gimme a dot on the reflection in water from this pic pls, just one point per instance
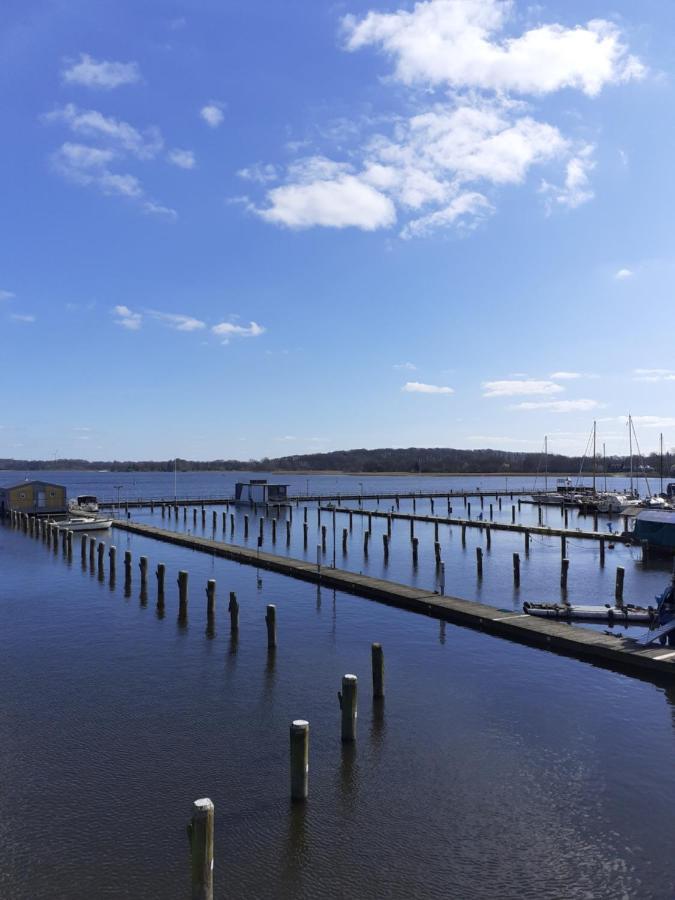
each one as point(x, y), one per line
point(441, 632)
point(297, 855)
point(143, 595)
point(349, 775)
point(127, 587)
point(111, 582)
point(378, 724)
point(270, 671)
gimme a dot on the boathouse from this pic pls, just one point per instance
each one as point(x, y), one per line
point(34, 497)
point(257, 490)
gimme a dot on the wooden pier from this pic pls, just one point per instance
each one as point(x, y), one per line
point(483, 524)
point(593, 646)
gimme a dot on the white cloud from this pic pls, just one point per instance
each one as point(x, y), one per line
point(338, 203)
point(127, 319)
point(178, 322)
point(416, 387)
point(654, 421)
point(462, 45)
point(259, 172)
point(212, 114)
point(623, 274)
point(559, 406)
point(91, 123)
point(22, 317)
point(515, 388)
point(156, 209)
point(564, 376)
point(577, 187)
point(106, 75)
point(227, 330)
point(653, 375)
point(469, 207)
point(406, 365)
point(7, 295)
point(184, 159)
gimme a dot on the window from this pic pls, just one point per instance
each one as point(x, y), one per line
point(22, 495)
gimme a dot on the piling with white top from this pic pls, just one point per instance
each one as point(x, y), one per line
point(200, 836)
point(348, 705)
point(299, 759)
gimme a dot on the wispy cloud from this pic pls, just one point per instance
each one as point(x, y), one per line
point(26, 318)
point(184, 159)
point(7, 295)
point(228, 330)
point(178, 322)
point(417, 387)
point(259, 172)
point(410, 367)
point(101, 74)
point(90, 123)
point(559, 406)
point(212, 114)
point(623, 274)
point(127, 319)
point(515, 388)
point(654, 421)
point(564, 376)
point(653, 375)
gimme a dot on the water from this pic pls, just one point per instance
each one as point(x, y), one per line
point(494, 770)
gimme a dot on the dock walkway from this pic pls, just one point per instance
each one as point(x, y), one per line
point(593, 646)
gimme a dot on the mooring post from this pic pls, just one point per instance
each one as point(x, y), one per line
point(200, 835)
point(261, 529)
point(163, 511)
point(527, 542)
point(468, 510)
point(602, 552)
point(516, 569)
point(618, 591)
point(83, 548)
point(563, 546)
point(305, 530)
point(159, 575)
point(233, 609)
point(385, 544)
point(377, 661)
point(182, 595)
point(304, 514)
point(143, 566)
point(595, 521)
point(64, 540)
point(437, 552)
point(463, 535)
point(491, 513)
point(323, 538)
point(513, 515)
point(499, 501)
point(101, 551)
point(127, 567)
point(415, 544)
point(435, 531)
point(214, 520)
point(348, 705)
point(299, 759)
point(412, 529)
point(210, 600)
point(231, 523)
point(351, 516)
point(69, 543)
point(92, 551)
point(271, 622)
point(566, 519)
point(564, 569)
point(442, 577)
point(479, 562)
point(274, 531)
point(245, 526)
point(488, 536)
point(194, 516)
point(288, 532)
point(366, 539)
point(185, 514)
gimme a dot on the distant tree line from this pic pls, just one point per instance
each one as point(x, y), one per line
point(411, 460)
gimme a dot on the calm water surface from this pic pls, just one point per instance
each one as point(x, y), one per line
point(494, 770)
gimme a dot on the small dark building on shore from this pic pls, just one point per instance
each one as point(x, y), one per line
point(34, 497)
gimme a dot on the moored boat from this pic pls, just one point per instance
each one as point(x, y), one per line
point(626, 614)
point(80, 523)
point(83, 505)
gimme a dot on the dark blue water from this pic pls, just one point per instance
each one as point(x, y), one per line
point(494, 770)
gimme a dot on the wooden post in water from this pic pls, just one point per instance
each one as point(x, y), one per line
point(163, 511)
point(143, 566)
point(348, 705)
point(412, 529)
point(566, 519)
point(415, 543)
point(305, 529)
point(245, 526)
point(602, 552)
point(491, 513)
point(437, 552)
point(83, 548)
point(159, 575)
point(127, 567)
point(618, 591)
point(69, 543)
point(366, 539)
point(351, 515)
point(288, 532)
point(564, 569)
point(563, 546)
point(274, 531)
point(200, 835)
point(194, 517)
point(214, 520)
point(540, 519)
point(595, 521)
point(92, 551)
point(261, 529)
point(479, 562)
point(271, 622)
point(233, 609)
point(516, 569)
point(513, 515)
point(499, 501)
point(463, 535)
point(101, 551)
point(182, 596)
point(210, 602)
point(488, 537)
point(527, 542)
point(299, 759)
point(231, 523)
point(203, 517)
point(385, 544)
point(468, 510)
point(112, 561)
point(323, 538)
point(377, 662)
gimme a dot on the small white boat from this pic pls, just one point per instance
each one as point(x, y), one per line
point(80, 523)
point(573, 611)
point(84, 505)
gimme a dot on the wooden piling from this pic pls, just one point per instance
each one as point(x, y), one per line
point(437, 551)
point(143, 566)
point(479, 562)
point(618, 590)
point(563, 546)
point(203, 517)
point(412, 529)
point(271, 622)
point(415, 544)
point(245, 526)
point(194, 516)
point(182, 596)
point(602, 552)
point(127, 567)
point(323, 538)
point(274, 531)
point(564, 569)
point(92, 551)
point(231, 523)
point(377, 663)
point(491, 513)
point(159, 575)
point(516, 569)
point(513, 515)
point(488, 537)
point(200, 836)
point(211, 600)
point(385, 545)
point(214, 520)
point(305, 530)
point(463, 535)
point(233, 609)
point(101, 551)
point(348, 705)
point(299, 759)
point(112, 561)
point(468, 510)
point(83, 547)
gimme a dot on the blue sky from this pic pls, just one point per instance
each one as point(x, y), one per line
point(254, 228)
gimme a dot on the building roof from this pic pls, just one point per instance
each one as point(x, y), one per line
point(11, 487)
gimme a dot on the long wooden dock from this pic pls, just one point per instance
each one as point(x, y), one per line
point(593, 646)
point(544, 530)
point(310, 498)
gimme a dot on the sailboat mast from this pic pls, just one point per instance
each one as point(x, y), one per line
point(545, 463)
point(594, 451)
point(630, 446)
point(661, 462)
point(604, 464)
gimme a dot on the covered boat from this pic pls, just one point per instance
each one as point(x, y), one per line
point(657, 528)
point(83, 505)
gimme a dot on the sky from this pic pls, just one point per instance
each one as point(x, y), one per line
point(247, 229)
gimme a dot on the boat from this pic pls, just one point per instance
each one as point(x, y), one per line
point(82, 523)
point(657, 528)
point(83, 505)
point(623, 615)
